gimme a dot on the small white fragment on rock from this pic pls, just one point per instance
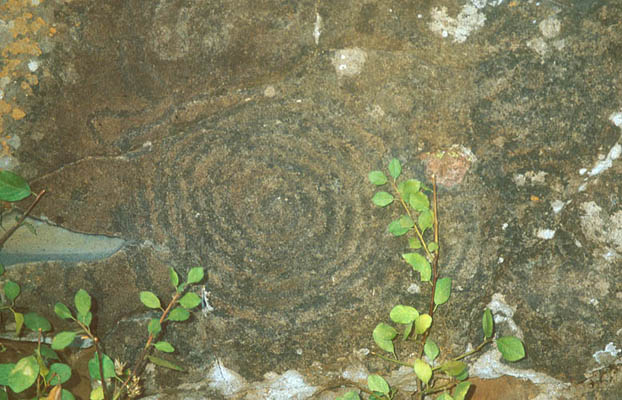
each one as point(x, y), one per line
point(582, 171)
point(269, 91)
point(349, 62)
point(616, 118)
point(546, 234)
point(33, 65)
point(607, 162)
point(550, 27)
point(607, 356)
point(224, 380)
point(317, 28)
point(413, 288)
point(557, 206)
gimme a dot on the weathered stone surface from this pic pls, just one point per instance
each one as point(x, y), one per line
point(220, 134)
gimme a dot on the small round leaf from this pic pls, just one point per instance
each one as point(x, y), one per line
point(487, 323)
point(62, 340)
point(149, 299)
point(23, 374)
point(11, 290)
point(154, 327)
point(174, 277)
point(178, 314)
point(443, 291)
point(195, 275)
point(82, 301)
point(376, 383)
point(190, 300)
point(165, 347)
point(422, 370)
point(62, 311)
point(511, 348)
point(403, 314)
point(382, 199)
point(395, 168)
point(431, 349)
point(377, 178)
point(59, 373)
point(422, 323)
point(108, 367)
point(34, 322)
point(13, 187)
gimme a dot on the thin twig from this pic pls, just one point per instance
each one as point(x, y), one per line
point(19, 223)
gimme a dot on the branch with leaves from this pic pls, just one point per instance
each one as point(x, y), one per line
point(418, 222)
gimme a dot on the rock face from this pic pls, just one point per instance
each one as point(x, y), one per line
point(237, 135)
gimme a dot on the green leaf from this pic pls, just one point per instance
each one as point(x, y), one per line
point(397, 229)
point(154, 327)
point(422, 370)
point(97, 393)
point(395, 168)
point(487, 323)
point(422, 323)
point(82, 301)
point(419, 201)
point(425, 220)
point(178, 314)
point(4, 395)
point(62, 340)
point(382, 199)
point(23, 374)
point(5, 370)
point(414, 243)
point(511, 348)
point(34, 322)
point(149, 299)
point(190, 300)
point(443, 291)
point(408, 187)
point(19, 322)
point(403, 314)
point(62, 311)
point(376, 383)
point(165, 347)
point(407, 329)
point(108, 367)
point(445, 396)
point(433, 246)
point(11, 290)
point(13, 187)
point(383, 335)
point(59, 373)
point(462, 389)
point(174, 277)
point(164, 363)
point(195, 275)
point(48, 353)
point(377, 178)
point(453, 368)
point(85, 318)
point(419, 264)
point(431, 349)
point(351, 395)
point(66, 395)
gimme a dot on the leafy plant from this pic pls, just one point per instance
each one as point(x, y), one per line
point(435, 374)
point(43, 369)
point(14, 188)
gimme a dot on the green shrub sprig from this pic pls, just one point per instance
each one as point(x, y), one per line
point(435, 373)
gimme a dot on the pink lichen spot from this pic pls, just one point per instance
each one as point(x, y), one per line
point(449, 166)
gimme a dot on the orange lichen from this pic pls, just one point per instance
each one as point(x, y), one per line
point(26, 30)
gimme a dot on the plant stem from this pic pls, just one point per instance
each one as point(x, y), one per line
point(417, 231)
point(475, 350)
point(392, 360)
point(101, 367)
point(139, 361)
point(8, 233)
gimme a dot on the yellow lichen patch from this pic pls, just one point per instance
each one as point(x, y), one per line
point(17, 114)
point(26, 28)
point(22, 46)
point(5, 107)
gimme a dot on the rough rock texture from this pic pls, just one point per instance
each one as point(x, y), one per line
point(237, 135)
